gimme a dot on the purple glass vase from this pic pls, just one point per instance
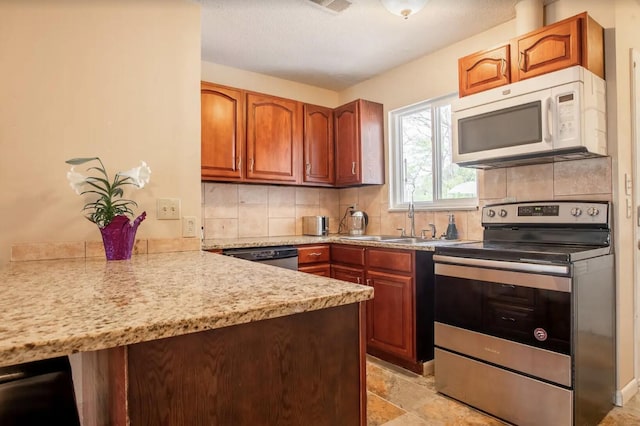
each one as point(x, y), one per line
point(119, 235)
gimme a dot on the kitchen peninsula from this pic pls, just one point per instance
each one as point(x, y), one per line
point(192, 338)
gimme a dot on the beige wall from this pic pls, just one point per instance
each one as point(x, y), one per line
point(247, 80)
point(117, 79)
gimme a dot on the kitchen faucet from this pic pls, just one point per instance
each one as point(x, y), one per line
point(411, 215)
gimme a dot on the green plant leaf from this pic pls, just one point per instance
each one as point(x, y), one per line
point(78, 161)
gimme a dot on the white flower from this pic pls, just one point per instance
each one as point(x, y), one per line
point(76, 180)
point(139, 176)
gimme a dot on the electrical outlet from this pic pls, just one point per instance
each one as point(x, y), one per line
point(168, 208)
point(188, 226)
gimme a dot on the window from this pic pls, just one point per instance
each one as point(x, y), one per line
point(422, 170)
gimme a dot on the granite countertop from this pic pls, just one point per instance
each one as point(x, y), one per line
point(52, 308)
point(228, 243)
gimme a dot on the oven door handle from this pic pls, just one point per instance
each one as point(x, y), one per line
point(499, 264)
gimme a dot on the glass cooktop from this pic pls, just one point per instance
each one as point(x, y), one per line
point(524, 252)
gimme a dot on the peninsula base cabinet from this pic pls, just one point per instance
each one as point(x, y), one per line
point(307, 368)
point(399, 318)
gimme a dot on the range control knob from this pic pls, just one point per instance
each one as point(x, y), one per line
point(592, 211)
point(503, 213)
point(491, 213)
point(576, 211)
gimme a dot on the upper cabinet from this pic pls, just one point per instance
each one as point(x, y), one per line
point(253, 137)
point(574, 41)
point(359, 143)
point(274, 138)
point(318, 147)
point(484, 70)
point(222, 134)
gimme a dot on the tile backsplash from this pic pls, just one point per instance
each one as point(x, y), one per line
point(243, 210)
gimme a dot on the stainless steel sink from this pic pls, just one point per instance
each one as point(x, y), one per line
point(394, 239)
point(384, 238)
point(420, 241)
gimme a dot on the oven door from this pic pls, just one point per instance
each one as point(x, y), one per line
point(525, 307)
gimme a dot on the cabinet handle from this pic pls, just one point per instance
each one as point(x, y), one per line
point(521, 61)
point(508, 319)
point(504, 67)
point(315, 254)
point(508, 286)
point(368, 281)
point(239, 163)
point(308, 166)
point(358, 280)
point(251, 165)
point(353, 167)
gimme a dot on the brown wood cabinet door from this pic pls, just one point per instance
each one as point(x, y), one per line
point(345, 273)
point(390, 315)
point(554, 47)
point(484, 70)
point(274, 138)
point(318, 145)
point(347, 139)
point(222, 139)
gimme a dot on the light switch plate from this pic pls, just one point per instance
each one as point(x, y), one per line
point(168, 208)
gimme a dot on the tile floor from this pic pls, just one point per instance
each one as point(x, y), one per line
point(398, 397)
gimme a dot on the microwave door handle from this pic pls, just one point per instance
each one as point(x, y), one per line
point(549, 136)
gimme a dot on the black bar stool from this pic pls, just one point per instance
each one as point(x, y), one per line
point(38, 393)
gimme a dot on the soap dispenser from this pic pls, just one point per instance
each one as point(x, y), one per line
point(452, 231)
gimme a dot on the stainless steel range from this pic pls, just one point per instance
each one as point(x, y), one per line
point(524, 320)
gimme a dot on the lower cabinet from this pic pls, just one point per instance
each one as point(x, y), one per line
point(314, 259)
point(400, 316)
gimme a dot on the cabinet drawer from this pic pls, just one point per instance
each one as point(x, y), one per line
point(391, 260)
point(313, 254)
point(324, 270)
point(347, 254)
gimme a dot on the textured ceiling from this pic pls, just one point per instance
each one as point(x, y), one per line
point(300, 41)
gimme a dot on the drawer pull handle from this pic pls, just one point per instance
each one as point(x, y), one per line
point(508, 286)
point(508, 319)
point(315, 254)
point(353, 167)
point(358, 280)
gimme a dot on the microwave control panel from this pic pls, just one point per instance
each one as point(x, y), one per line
point(568, 125)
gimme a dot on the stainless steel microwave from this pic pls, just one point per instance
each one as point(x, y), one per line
point(553, 117)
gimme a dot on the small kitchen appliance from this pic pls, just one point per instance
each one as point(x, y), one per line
point(315, 225)
point(529, 314)
point(358, 221)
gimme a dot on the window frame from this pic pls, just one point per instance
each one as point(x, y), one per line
point(397, 171)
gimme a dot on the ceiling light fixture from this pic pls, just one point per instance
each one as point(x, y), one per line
point(404, 8)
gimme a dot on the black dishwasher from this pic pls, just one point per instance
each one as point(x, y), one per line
point(281, 256)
